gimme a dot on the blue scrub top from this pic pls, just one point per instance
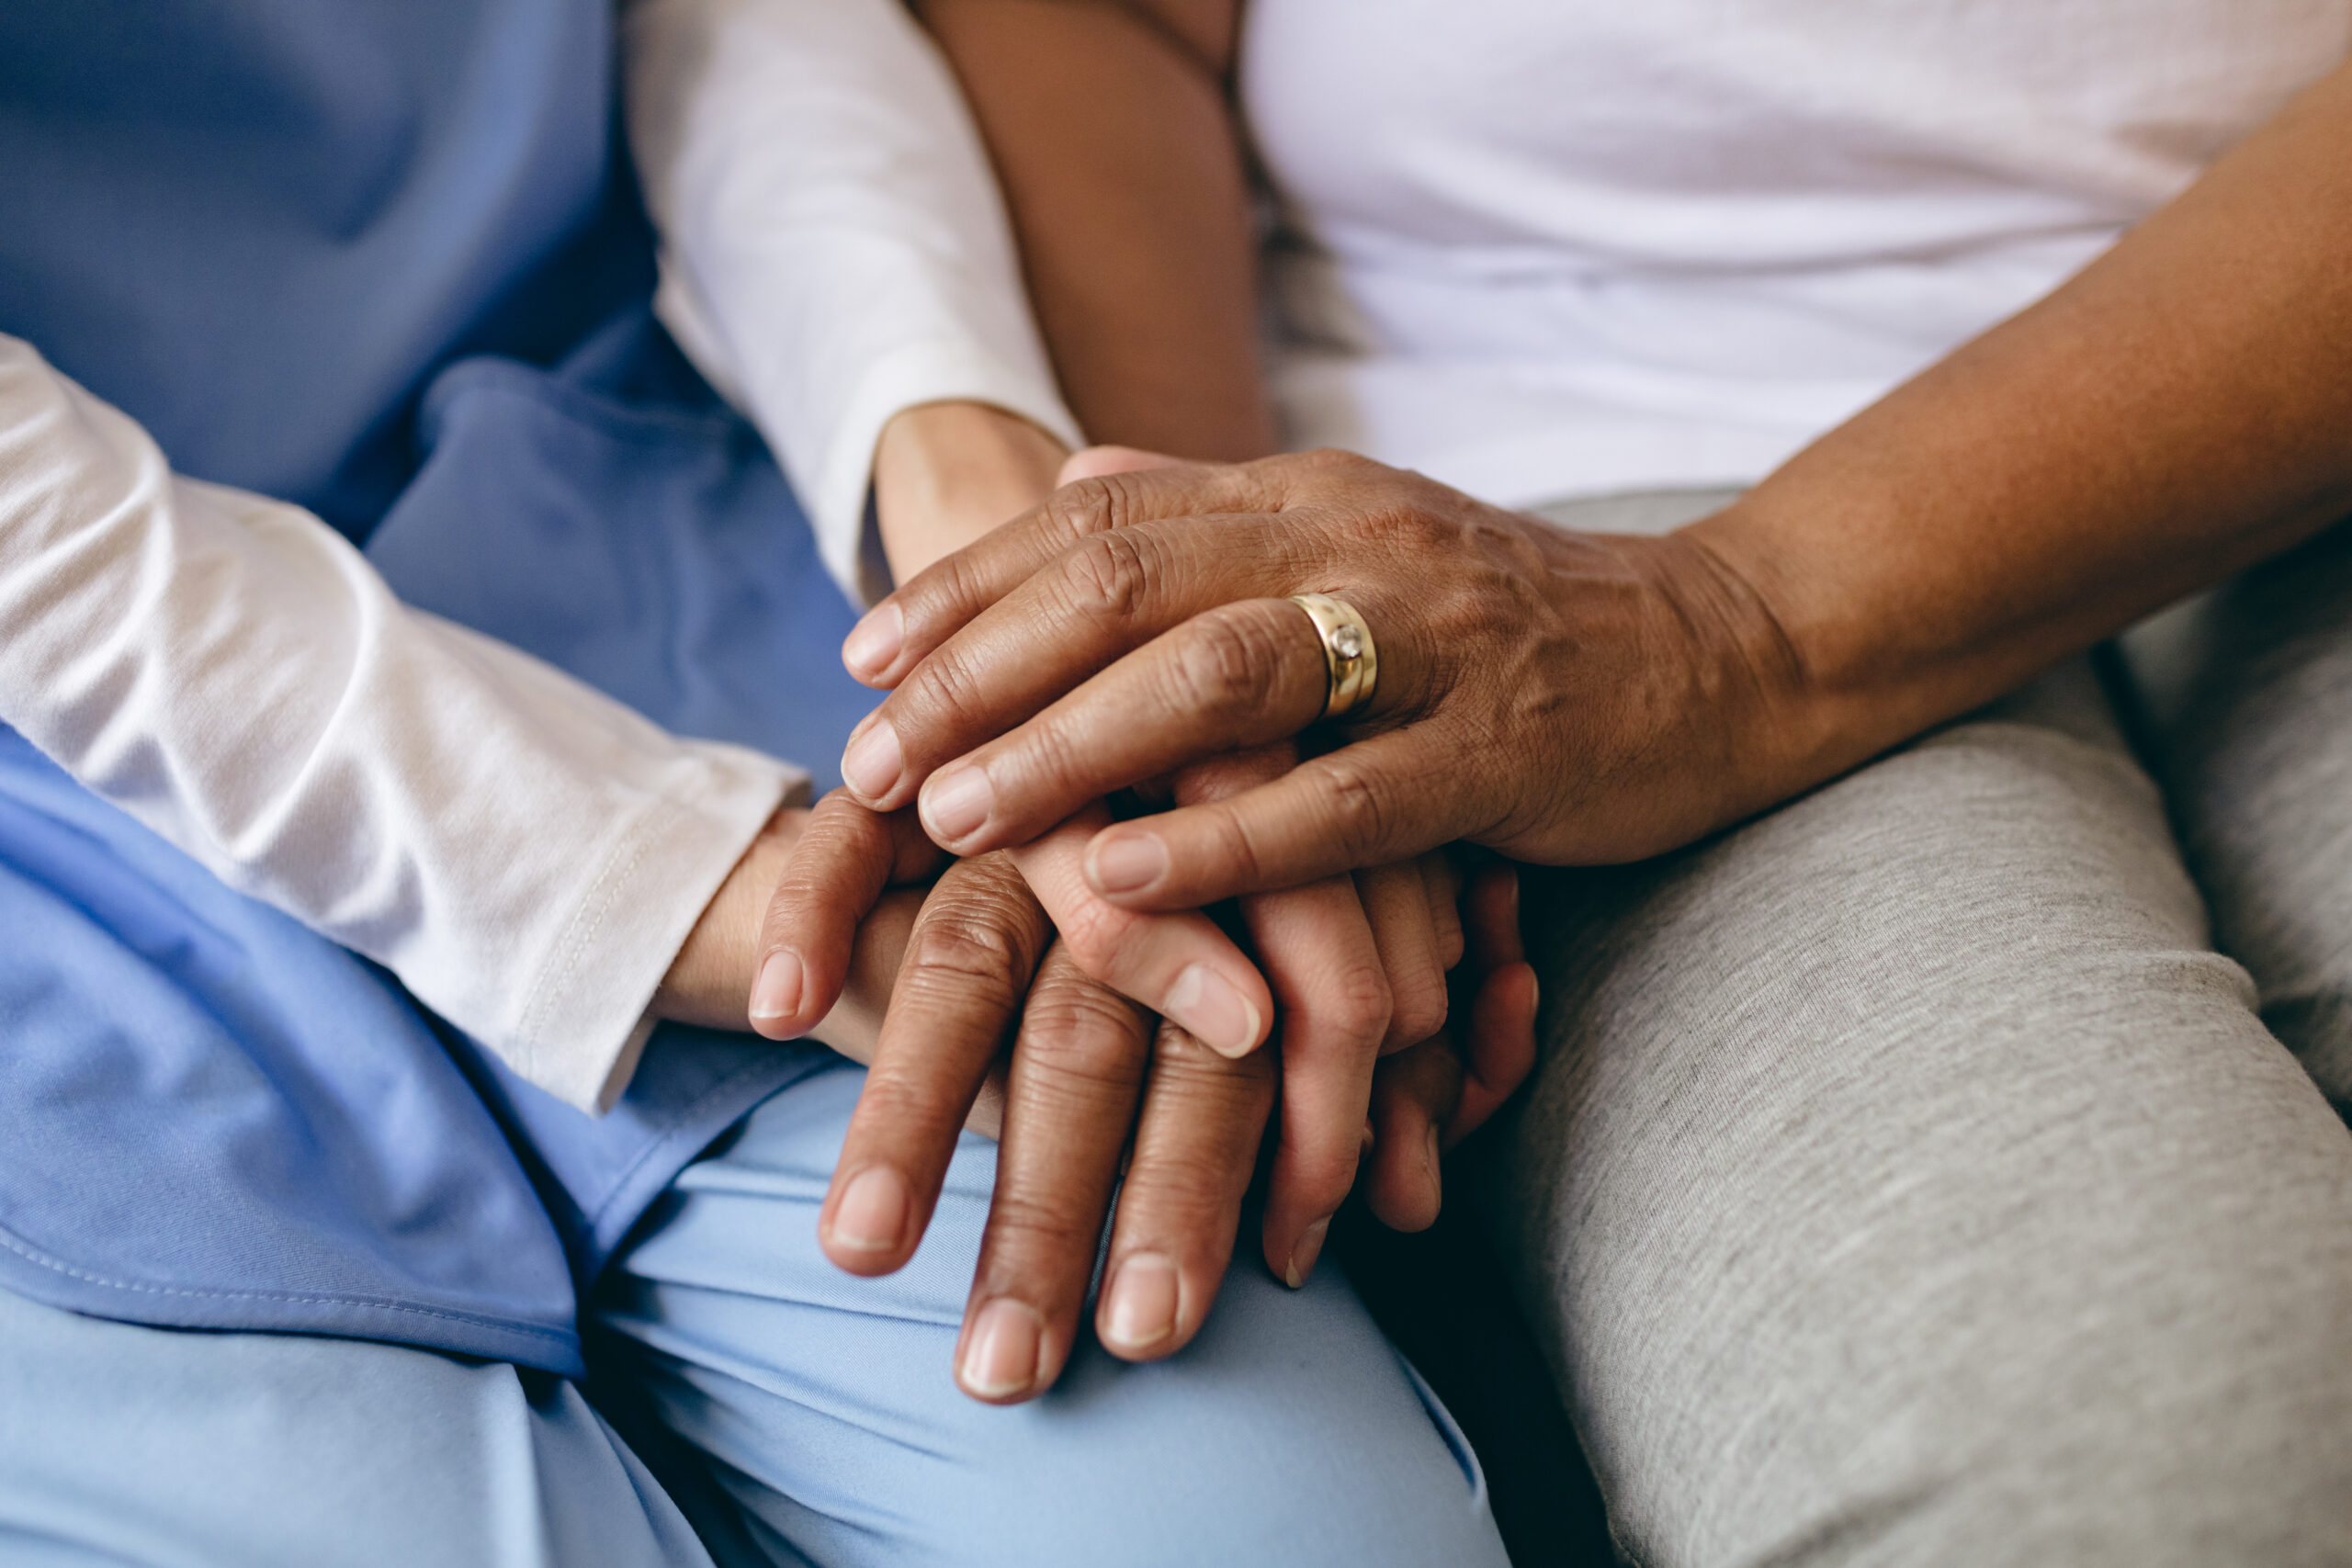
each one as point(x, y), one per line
point(381, 257)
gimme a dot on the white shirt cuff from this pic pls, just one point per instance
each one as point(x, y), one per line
point(585, 1021)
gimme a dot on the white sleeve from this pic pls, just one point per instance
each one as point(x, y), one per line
point(834, 248)
point(526, 854)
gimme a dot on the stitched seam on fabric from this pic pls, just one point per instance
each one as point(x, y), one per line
point(593, 909)
point(34, 1255)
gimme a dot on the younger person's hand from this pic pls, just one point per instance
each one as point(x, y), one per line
point(1084, 1058)
point(946, 473)
point(1430, 1097)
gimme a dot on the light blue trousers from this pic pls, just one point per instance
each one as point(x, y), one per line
point(797, 1414)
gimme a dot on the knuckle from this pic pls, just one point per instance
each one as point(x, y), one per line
point(1105, 577)
point(1172, 1182)
point(1232, 847)
point(945, 997)
point(838, 812)
point(1081, 1029)
point(946, 686)
point(1082, 1085)
point(962, 946)
point(1355, 802)
point(1360, 1003)
point(1184, 1069)
point(902, 1107)
point(988, 892)
point(991, 882)
point(1224, 664)
point(1055, 753)
point(782, 920)
point(1042, 1216)
point(1086, 507)
point(959, 588)
point(1096, 933)
point(1412, 530)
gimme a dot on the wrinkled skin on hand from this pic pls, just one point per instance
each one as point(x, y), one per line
point(1094, 1079)
point(1560, 697)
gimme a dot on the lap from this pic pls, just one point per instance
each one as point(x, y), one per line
point(121, 1443)
point(813, 1415)
point(1907, 1180)
point(822, 1404)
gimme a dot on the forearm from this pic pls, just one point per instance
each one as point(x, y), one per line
point(525, 853)
point(834, 251)
point(946, 473)
point(2177, 413)
point(1118, 153)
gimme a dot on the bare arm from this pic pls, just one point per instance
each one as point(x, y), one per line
point(2177, 413)
point(1113, 136)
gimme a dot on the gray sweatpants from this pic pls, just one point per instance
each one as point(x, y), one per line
point(1914, 1175)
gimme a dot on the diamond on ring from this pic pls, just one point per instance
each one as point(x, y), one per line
point(1350, 660)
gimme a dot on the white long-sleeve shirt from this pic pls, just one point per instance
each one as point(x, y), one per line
point(834, 247)
point(526, 854)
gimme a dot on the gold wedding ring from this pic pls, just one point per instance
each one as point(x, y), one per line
point(1349, 654)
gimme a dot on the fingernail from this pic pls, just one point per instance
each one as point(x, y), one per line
point(1142, 1310)
point(1302, 1256)
point(776, 994)
point(1001, 1357)
point(1125, 863)
point(1220, 1017)
point(1430, 1157)
point(871, 764)
point(956, 804)
point(871, 1214)
point(875, 640)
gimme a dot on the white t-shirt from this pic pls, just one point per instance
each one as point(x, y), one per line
point(1540, 248)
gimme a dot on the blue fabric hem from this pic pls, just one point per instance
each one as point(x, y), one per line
point(396, 272)
point(30, 1272)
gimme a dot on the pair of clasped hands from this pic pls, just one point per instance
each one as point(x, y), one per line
point(1149, 1038)
point(1556, 697)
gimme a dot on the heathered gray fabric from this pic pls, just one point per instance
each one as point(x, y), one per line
point(1907, 1180)
point(2249, 695)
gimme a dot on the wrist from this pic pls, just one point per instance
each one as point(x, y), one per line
point(1833, 679)
point(946, 473)
point(709, 982)
point(1775, 728)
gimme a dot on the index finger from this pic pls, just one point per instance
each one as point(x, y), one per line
point(897, 633)
point(970, 961)
point(1103, 598)
point(1078, 1066)
point(845, 857)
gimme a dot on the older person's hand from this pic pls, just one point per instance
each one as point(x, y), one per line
point(1085, 1062)
point(1359, 969)
point(1560, 697)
